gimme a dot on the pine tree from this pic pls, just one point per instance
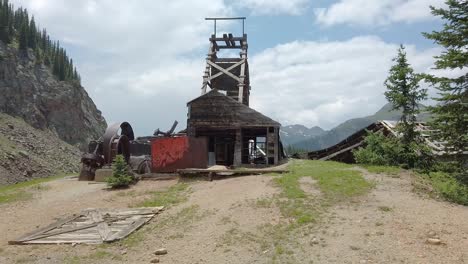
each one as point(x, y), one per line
point(120, 176)
point(451, 111)
point(23, 37)
point(404, 93)
point(32, 41)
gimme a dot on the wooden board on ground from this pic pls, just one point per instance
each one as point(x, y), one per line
point(238, 171)
point(91, 226)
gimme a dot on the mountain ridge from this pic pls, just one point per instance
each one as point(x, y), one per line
point(347, 128)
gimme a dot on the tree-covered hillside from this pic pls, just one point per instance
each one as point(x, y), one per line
point(19, 30)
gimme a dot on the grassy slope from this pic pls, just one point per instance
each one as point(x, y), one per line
point(23, 190)
point(336, 181)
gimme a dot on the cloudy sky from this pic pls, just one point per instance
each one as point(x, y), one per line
point(316, 62)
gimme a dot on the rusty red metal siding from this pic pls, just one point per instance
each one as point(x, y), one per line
point(172, 153)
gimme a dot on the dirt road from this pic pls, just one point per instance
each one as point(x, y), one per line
point(231, 221)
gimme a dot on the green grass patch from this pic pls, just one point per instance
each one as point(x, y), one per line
point(385, 209)
point(336, 181)
point(448, 187)
point(22, 191)
point(174, 195)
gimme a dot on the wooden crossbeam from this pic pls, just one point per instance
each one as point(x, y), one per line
point(224, 71)
point(233, 43)
point(226, 39)
point(227, 69)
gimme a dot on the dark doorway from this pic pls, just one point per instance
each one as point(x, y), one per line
point(224, 151)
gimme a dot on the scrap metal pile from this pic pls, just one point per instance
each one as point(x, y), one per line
point(119, 139)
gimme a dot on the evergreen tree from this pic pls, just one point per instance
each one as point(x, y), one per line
point(404, 93)
point(120, 176)
point(451, 111)
point(16, 25)
point(23, 37)
point(32, 41)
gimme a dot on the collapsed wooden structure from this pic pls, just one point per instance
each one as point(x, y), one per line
point(91, 226)
point(343, 150)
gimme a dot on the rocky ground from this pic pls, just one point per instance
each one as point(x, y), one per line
point(233, 220)
point(27, 153)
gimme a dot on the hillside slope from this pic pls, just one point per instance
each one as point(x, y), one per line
point(27, 152)
point(347, 128)
point(30, 91)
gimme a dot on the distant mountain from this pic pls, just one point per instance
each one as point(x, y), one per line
point(342, 131)
point(295, 133)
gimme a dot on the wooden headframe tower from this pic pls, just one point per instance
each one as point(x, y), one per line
point(230, 75)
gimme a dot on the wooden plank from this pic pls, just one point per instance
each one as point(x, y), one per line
point(231, 39)
point(125, 232)
point(60, 232)
point(102, 227)
point(244, 171)
point(59, 223)
point(65, 242)
point(226, 40)
point(341, 151)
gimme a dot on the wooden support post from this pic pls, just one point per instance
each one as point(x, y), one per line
point(209, 58)
point(241, 83)
point(276, 148)
point(238, 148)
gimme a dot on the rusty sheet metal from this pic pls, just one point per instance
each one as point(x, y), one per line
point(172, 153)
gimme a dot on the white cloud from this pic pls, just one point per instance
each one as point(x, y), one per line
point(376, 13)
point(262, 7)
point(326, 83)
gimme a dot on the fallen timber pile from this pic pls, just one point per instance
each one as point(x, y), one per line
point(92, 226)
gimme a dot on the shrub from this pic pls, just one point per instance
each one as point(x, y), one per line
point(120, 176)
point(390, 151)
point(379, 150)
point(447, 186)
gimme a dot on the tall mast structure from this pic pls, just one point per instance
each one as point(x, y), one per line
point(227, 74)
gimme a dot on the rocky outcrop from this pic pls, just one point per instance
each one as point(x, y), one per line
point(29, 90)
point(27, 153)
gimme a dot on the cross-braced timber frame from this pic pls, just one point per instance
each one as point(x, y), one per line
point(228, 74)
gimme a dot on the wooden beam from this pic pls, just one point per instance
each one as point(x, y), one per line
point(224, 71)
point(227, 69)
point(226, 39)
point(233, 42)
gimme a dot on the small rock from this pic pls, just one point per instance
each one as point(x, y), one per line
point(314, 241)
point(354, 247)
point(24, 153)
point(10, 126)
point(379, 233)
point(434, 241)
point(156, 260)
point(161, 251)
point(431, 234)
point(123, 252)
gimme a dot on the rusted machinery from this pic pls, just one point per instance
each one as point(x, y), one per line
point(118, 139)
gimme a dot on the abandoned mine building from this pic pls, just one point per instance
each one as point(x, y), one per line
point(236, 134)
